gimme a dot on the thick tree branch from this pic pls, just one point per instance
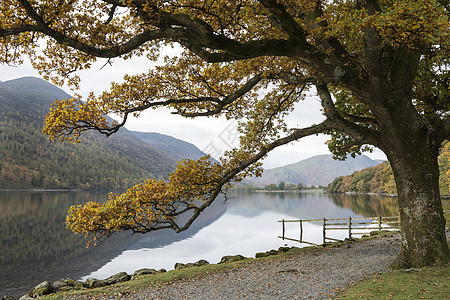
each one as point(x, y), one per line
point(287, 22)
point(4, 32)
point(362, 135)
point(445, 130)
point(221, 104)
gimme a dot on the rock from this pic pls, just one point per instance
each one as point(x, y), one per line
point(231, 258)
point(284, 249)
point(162, 270)
point(201, 262)
point(412, 270)
point(43, 288)
point(93, 283)
point(273, 252)
point(57, 285)
point(67, 284)
point(7, 297)
point(144, 271)
point(268, 253)
point(116, 278)
point(179, 266)
point(262, 254)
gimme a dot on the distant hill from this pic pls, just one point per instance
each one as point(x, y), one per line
point(316, 170)
point(179, 149)
point(29, 159)
point(380, 179)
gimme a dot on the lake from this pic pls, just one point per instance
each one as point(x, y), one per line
point(36, 246)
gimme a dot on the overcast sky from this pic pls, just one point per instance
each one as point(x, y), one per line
point(211, 135)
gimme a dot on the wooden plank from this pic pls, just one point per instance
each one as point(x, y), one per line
point(296, 221)
point(337, 228)
point(364, 223)
point(333, 239)
point(303, 242)
point(342, 223)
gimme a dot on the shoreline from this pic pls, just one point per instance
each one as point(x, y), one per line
point(188, 270)
point(248, 273)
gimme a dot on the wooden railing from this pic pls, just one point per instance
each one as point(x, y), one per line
point(352, 225)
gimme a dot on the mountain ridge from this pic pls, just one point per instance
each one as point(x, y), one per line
point(316, 170)
point(29, 159)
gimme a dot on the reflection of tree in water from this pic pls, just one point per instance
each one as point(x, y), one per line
point(35, 243)
point(367, 205)
point(313, 205)
point(36, 246)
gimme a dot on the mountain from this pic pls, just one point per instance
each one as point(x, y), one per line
point(316, 170)
point(179, 149)
point(380, 179)
point(29, 159)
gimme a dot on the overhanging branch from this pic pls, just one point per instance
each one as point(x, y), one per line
point(297, 134)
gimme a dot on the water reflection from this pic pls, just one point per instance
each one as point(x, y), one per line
point(36, 246)
point(249, 225)
point(367, 205)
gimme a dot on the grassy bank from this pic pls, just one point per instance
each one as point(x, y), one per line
point(425, 283)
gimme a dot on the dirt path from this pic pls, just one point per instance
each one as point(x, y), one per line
point(306, 276)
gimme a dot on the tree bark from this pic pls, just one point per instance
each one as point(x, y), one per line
point(416, 172)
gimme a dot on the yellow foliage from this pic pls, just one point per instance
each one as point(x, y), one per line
point(249, 60)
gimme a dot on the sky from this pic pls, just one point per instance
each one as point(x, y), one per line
point(212, 135)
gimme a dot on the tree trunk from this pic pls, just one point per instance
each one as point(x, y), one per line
point(421, 216)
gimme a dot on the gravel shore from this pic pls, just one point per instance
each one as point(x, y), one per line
point(318, 275)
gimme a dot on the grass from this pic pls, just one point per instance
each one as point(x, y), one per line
point(425, 283)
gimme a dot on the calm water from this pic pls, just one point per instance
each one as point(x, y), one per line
point(35, 246)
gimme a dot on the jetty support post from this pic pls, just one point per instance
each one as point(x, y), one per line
point(301, 231)
point(324, 231)
point(349, 228)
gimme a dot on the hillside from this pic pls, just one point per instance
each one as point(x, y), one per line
point(29, 159)
point(380, 179)
point(316, 170)
point(177, 148)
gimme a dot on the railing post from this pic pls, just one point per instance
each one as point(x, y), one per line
point(349, 228)
point(301, 231)
point(324, 230)
point(284, 229)
point(379, 223)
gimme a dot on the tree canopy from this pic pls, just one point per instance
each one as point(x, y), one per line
point(380, 69)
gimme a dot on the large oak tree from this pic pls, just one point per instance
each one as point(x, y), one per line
point(380, 68)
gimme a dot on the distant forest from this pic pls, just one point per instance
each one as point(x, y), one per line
point(29, 159)
point(380, 179)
